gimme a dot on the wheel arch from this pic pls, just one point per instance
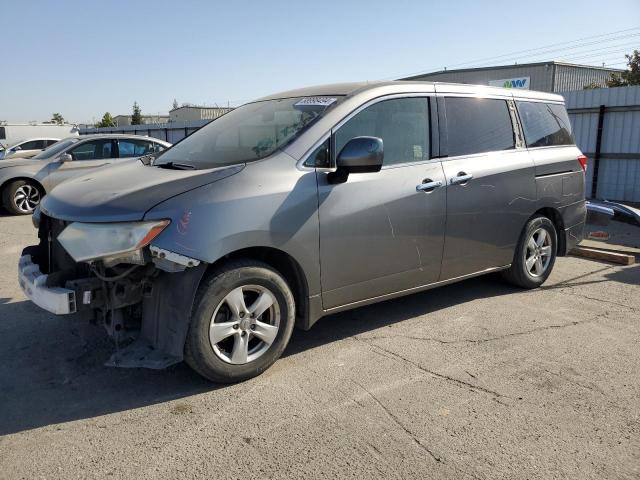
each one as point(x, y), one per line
point(6, 183)
point(284, 264)
point(555, 216)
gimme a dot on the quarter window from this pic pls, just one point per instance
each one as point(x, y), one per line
point(319, 158)
point(478, 125)
point(157, 147)
point(544, 124)
point(402, 124)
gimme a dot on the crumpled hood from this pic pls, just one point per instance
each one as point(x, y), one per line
point(20, 162)
point(124, 191)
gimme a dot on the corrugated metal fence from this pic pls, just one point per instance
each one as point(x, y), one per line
point(606, 124)
point(614, 158)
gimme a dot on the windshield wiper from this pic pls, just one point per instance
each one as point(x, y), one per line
point(174, 166)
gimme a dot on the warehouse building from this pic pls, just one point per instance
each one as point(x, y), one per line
point(125, 120)
point(188, 113)
point(545, 76)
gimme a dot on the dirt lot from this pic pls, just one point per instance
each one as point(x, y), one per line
point(474, 380)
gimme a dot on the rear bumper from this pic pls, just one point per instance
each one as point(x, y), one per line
point(33, 283)
point(573, 236)
point(574, 215)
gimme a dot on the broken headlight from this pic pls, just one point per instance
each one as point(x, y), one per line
point(112, 242)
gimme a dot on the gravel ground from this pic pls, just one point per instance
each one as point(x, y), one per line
point(473, 380)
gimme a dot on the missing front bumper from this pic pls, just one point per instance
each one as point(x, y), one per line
point(150, 305)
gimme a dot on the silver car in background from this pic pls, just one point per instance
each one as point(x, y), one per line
point(23, 182)
point(27, 148)
point(306, 203)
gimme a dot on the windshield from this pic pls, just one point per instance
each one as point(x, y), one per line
point(248, 133)
point(56, 148)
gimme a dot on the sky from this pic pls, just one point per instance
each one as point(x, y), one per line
point(86, 58)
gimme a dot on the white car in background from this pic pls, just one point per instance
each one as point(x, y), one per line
point(24, 181)
point(14, 133)
point(27, 148)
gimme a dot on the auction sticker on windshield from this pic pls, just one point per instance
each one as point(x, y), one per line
point(315, 102)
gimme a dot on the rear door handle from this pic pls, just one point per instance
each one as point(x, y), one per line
point(462, 177)
point(428, 185)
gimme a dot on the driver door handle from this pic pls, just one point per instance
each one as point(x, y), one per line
point(462, 177)
point(428, 185)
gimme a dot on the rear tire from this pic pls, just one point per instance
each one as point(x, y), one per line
point(243, 317)
point(535, 254)
point(21, 197)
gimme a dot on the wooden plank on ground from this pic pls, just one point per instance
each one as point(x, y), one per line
point(607, 256)
point(611, 247)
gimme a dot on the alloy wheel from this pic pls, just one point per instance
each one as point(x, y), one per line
point(244, 324)
point(26, 198)
point(537, 255)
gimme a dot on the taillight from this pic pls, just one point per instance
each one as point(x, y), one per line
point(583, 162)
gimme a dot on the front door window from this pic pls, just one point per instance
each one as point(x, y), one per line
point(93, 150)
point(401, 123)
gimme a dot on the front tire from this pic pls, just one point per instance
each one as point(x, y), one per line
point(241, 323)
point(535, 254)
point(21, 197)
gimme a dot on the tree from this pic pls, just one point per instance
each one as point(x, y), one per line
point(136, 117)
point(175, 104)
point(57, 118)
point(630, 76)
point(107, 121)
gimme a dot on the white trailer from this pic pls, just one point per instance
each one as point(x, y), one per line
point(12, 133)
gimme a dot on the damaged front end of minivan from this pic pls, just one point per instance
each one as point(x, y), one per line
point(112, 274)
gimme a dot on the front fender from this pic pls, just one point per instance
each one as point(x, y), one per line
point(268, 204)
point(37, 172)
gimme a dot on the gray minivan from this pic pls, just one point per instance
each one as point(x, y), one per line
point(303, 204)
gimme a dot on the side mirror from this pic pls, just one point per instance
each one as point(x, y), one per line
point(65, 157)
point(361, 155)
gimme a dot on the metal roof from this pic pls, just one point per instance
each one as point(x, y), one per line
point(499, 67)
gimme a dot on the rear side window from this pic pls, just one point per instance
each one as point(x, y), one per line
point(33, 145)
point(402, 124)
point(545, 124)
point(136, 148)
point(3, 133)
point(477, 125)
